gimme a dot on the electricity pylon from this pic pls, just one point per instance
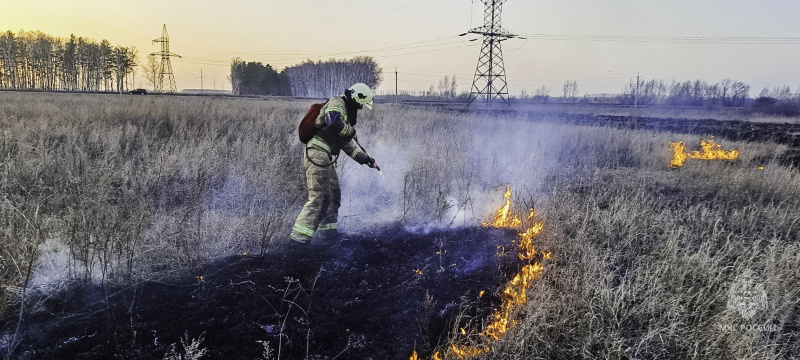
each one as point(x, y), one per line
point(166, 65)
point(490, 75)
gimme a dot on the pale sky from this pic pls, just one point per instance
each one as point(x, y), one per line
point(420, 38)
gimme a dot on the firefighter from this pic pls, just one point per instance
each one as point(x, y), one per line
point(334, 132)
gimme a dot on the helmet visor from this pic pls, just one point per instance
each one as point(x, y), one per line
point(368, 105)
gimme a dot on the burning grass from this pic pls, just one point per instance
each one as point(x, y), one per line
point(514, 294)
point(505, 218)
point(711, 151)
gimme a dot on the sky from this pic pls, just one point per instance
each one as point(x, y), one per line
point(600, 44)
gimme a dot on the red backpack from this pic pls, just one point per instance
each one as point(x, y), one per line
point(306, 130)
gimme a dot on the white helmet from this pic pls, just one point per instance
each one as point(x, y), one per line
point(362, 94)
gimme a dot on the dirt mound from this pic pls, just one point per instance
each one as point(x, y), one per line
point(366, 296)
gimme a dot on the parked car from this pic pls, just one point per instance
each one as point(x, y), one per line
point(138, 92)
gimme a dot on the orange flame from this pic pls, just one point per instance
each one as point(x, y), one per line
point(679, 154)
point(466, 352)
point(414, 356)
point(514, 294)
point(504, 217)
point(711, 151)
point(527, 250)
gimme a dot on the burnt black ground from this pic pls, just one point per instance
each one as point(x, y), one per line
point(361, 297)
point(736, 130)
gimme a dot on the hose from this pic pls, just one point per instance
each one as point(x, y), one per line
point(329, 155)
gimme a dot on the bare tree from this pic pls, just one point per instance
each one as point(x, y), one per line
point(542, 95)
point(133, 55)
point(733, 93)
point(8, 60)
point(152, 72)
point(444, 86)
point(780, 93)
point(725, 92)
point(739, 93)
point(570, 91)
point(236, 76)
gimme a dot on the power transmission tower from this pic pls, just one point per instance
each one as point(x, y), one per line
point(490, 74)
point(166, 79)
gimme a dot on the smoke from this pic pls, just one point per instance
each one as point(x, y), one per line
point(55, 268)
point(446, 171)
point(370, 200)
point(441, 170)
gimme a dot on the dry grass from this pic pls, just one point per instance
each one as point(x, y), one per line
point(130, 188)
point(116, 189)
point(645, 258)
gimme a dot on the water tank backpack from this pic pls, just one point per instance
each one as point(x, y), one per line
point(306, 130)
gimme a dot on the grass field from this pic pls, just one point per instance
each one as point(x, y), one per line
point(108, 189)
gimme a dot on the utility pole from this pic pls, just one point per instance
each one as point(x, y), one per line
point(201, 81)
point(490, 75)
point(166, 65)
point(395, 86)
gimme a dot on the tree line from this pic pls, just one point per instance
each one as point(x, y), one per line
point(309, 79)
point(32, 60)
point(253, 78)
point(639, 91)
point(727, 93)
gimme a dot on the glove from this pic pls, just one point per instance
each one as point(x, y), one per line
point(370, 162)
point(374, 165)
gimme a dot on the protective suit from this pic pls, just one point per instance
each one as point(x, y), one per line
point(335, 132)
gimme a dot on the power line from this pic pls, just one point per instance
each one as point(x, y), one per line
point(333, 17)
point(426, 70)
point(737, 40)
point(275, 61)
point(554, 37)
point(388, 48)
point(203, 63)
point(425, 75)
point(206, 75)
point(420, 52)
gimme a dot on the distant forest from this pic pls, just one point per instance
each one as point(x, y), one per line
point(726, 93)
point(37, 61)
point(32, 60)
point(309, 79)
